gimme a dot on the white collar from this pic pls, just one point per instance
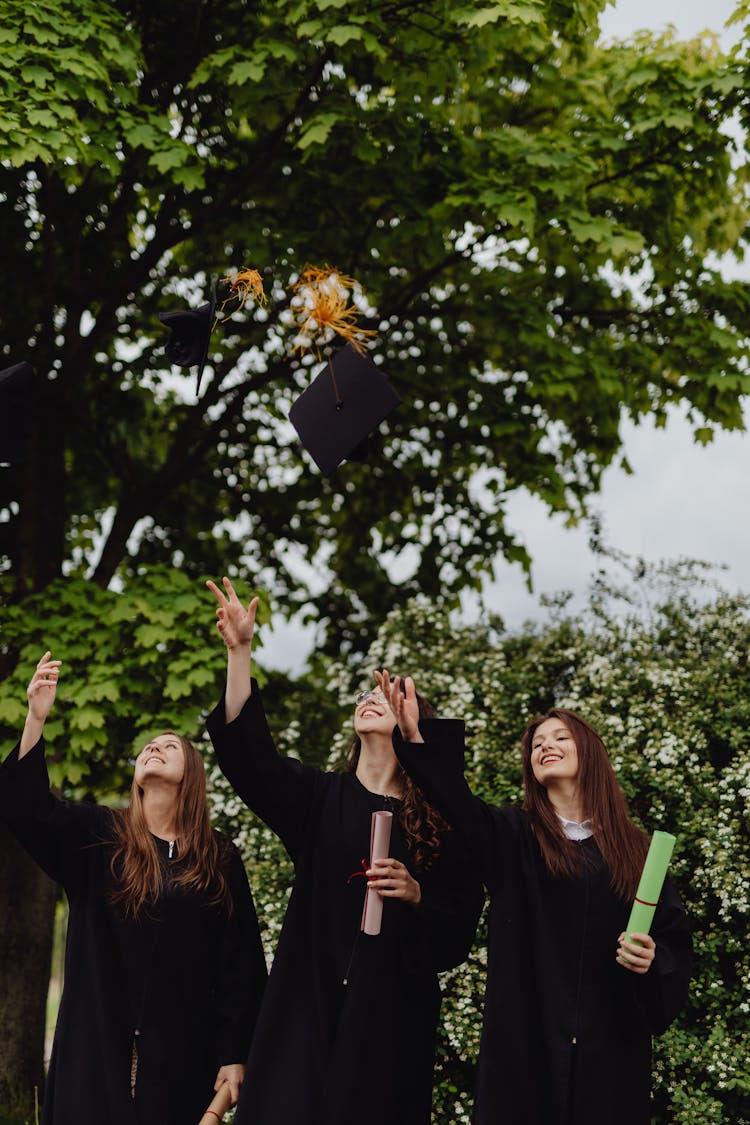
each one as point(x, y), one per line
point(575, 831)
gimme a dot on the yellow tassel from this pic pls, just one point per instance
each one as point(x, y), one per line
point(320, 308)
point(243, 285)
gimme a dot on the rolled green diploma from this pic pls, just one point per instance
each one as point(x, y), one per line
point(652, 881)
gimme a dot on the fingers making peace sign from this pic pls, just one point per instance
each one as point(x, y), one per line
point(235, 622)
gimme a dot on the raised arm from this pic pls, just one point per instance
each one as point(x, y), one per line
point(237, 626)
point(52, 831)
point(279, 789)
point(435, 762)
point(41, 695)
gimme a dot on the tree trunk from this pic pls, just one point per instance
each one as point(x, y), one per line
point(27, 905)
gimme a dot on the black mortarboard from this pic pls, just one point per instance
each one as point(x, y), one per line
point(190, 332)
point(343, 404)
point(15, 408)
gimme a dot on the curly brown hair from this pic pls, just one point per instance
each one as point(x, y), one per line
point(422, 824)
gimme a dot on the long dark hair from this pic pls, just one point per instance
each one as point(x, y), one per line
point(621, 842)
point(135, 864)
point(422, 823)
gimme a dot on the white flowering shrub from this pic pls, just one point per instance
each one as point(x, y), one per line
point(268, 867)
point(669, 690)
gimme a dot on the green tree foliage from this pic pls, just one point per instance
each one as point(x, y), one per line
point(536, 220)
point(135, 662)
point(661, 669)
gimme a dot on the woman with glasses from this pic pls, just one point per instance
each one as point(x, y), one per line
point(164, 966)
point(347, 1029)
point(571, 1002)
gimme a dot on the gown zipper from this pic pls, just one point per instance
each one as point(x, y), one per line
point(137, 1030)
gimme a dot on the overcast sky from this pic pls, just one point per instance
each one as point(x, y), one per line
point(681, 501)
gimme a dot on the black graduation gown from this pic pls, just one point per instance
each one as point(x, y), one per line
point(189, 976)
point(566, 1036)
point(347, 1029)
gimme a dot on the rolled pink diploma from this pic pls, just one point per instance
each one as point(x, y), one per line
point(380, 843)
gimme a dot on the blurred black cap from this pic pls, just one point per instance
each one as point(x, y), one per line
point(343, 404)
point(15, 408)
point(190, 332)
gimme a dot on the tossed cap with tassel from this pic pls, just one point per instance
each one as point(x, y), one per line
point(190, 329)
point(351, 396)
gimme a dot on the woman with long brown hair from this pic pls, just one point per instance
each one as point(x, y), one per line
point(347, 1029)
point(570, 1004)
point(164, 968)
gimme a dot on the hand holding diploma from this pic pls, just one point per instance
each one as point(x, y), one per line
point(637, 953)
point(637, 948)
point(391, 879)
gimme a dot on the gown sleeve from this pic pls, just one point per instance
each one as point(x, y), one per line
point(440, 932)
point(662, 992)
point(51, 830)
point(279, 789)
point(241, 970)
point(437, 767)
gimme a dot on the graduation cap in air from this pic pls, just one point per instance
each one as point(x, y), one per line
point(190, 332)
point(190, 329)
point(351, 396)
point(16, 384)
point(341, 407)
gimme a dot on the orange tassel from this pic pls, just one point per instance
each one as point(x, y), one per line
point(319, 307)
point(245, 284)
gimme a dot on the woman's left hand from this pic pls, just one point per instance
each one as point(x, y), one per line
point(637, 954)
point(391, 879)
point(232, 1074)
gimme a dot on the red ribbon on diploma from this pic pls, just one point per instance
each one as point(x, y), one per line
point(354, 874)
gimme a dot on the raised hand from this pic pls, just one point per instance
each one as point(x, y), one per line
point(405, 708)
point(41, 695)
point(235, 622)
point(43, 687)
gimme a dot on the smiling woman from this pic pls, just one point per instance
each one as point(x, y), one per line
point(567, 999)
point(347, 1028)
point(554, 757)
point(164, 968)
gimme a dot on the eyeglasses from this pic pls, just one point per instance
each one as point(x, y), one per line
point(369, 693)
